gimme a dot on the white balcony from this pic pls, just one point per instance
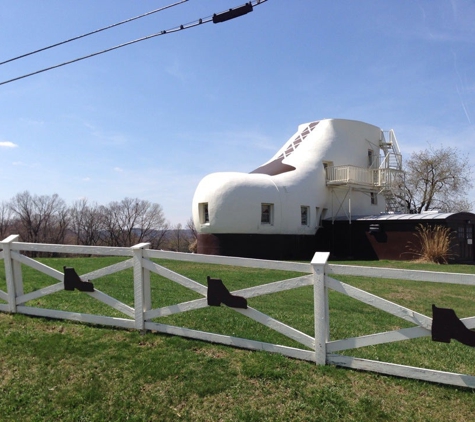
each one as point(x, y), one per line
point(370, 178)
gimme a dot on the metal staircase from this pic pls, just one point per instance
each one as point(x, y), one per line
point(390, 172)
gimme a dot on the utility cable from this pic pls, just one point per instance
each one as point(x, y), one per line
point(220, 17)
point(93, 32)
point(168, 31)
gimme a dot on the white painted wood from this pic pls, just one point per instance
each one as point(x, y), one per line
point(53, 288)
point(112, 302)
point(143, 245)
point(147, 290)
point(142, 266)
point(320, 298)
point(72, 249)
point(176, 309)
point(275, 287)
point(138, 289)
point(3, 295)
point(380, 303)
point(10, 239)
point(80, 317)
point(42, 268)
point(232, 341)
point(423, 374)
point(398, 274)
point(327, 311)
point(234, 261)
point(386, 337)
point(177, 278)
point(469, 322)
point(9, 272)
point(17, 276)
point(378, 338)
point(278, 326)
point(111, 269)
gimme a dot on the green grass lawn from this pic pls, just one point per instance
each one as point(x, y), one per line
point(59, 370)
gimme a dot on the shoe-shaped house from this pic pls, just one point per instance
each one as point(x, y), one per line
point(329, 168)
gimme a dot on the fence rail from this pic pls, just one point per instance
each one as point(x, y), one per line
point(318, 348)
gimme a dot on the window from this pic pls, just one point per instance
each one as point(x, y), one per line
point(374, 198)
point(204, 214)
point(304, 215)
point(267, 211)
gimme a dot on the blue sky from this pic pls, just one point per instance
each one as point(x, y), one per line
point(152, 119)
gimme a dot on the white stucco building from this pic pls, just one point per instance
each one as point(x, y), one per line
point(327, 169)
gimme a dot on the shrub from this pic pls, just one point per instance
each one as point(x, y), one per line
point(193, 247)
point(434, 244)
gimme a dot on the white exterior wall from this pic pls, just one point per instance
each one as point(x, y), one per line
point(234, 199)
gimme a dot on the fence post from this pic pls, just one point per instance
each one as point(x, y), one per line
point(10, 271)
point(320, 296)
point(141, 285)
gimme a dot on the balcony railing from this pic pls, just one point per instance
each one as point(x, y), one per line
point(361, 176)
point(342, 175)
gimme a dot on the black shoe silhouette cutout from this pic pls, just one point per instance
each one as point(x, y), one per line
point(218, 293)
point(72, 280)
point(447, 326)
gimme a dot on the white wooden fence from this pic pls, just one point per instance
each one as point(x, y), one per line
point(318, 348)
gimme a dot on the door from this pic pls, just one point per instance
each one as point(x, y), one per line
point(465, 240)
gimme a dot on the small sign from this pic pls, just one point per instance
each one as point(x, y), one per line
point(469, 241)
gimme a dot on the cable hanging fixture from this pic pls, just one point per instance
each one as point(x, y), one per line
point(216, 18)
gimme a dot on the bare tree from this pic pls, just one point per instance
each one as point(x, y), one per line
point(133, 221)
point(58, 224)
point(41, 219)
point(193, 233)
point(152, 225)
point(180, 239)
point(111, 229)
point(46, 219)
point(437, 179)
point(5, 219)
point(86, 222)
point(175, 242)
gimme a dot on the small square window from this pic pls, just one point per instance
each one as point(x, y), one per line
point(204, 214)
point(267, 211)
point(304, 217)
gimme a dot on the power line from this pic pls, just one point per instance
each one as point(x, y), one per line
point(93, 32)
point(216, 18)
point(168, 31)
